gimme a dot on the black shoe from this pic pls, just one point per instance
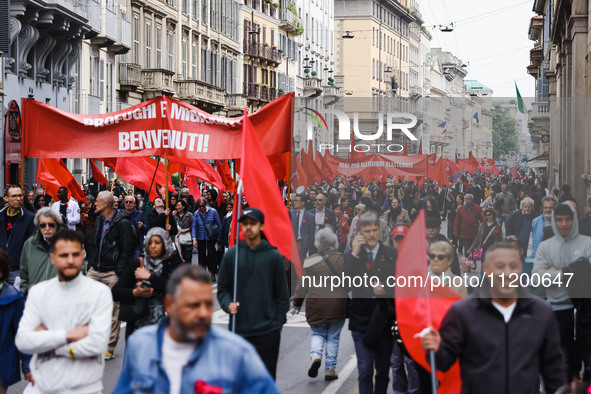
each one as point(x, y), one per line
point(314, 366)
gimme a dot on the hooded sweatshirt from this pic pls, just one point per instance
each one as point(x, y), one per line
point(262, 288)
point(559, 252)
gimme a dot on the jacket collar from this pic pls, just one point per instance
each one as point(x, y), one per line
point(163, 326)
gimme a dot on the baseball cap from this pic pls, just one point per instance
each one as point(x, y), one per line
point(399, 231)
point(254, 214)
point(433, 221)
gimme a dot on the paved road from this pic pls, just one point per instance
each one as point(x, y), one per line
point(293, 363)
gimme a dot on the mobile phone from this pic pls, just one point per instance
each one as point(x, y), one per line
point(146, 283)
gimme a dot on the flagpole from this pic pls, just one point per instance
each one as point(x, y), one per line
point(166, 190)
point(154, 177)
point(237, 209)
point(433, 372)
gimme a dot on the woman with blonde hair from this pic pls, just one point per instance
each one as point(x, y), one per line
point(440, 259)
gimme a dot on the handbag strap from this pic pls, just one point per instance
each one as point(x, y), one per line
point(472, 212)
point(489, 234)
point(333, 270)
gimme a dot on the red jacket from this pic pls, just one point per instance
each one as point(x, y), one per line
point(465, 224)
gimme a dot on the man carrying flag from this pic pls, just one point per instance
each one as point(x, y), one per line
point(504, 337)
point(262, 296)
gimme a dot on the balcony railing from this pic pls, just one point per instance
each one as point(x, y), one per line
point(236, 101)
point(196, 90)
point(252, 91)
point(158, 80)
point(130, 74)
point(264, 93)
point(288, 20)
point(330, 91)
point(540, 110)
point(414, 90)
point(123, 44)
point(272, 93)
point(262, 51)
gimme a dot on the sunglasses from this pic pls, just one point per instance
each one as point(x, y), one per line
point(43, 225)
point(438, 256)
point(129, 202)
point(202, 206)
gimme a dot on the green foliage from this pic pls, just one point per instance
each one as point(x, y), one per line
point(505, 138)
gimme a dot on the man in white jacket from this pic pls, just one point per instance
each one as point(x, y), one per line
point(66, 323)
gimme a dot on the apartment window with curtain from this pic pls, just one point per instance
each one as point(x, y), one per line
point(136, 40)
point(170, 51)
point(158, 47)
point(184, 49)
point(148, 45)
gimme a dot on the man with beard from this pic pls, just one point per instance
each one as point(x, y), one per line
point(542, 222)
point(66, 323)
point(185, 352)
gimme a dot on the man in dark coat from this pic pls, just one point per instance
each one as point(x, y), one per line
point(302, 223)
point(505, 338)
point(371, 312)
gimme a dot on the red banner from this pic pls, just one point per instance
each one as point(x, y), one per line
point(156, 127)
point(376, 165)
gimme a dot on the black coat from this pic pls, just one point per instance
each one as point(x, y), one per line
point(363, 301)
point(498, 357)
point(118, 244)
point(123, 289)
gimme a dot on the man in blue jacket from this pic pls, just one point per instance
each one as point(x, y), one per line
point(16, 226)
point(185, 353)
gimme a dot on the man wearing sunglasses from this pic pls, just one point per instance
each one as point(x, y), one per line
point(35, 264)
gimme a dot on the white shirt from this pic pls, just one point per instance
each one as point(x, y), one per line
point(63, 306)
point(72, 212)
point(507, 312)
point(319, 218)
point(300, 212)
point(175, 356)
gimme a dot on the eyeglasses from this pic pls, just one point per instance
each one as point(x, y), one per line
point(43, 225)
point(438, 256)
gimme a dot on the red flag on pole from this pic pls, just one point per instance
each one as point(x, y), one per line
point(405, 152)
point(224, 171)
point(420, 152)
point(437, 172)
point(139, 171)
point(354, 154)
point(313, 173)
point(52, 174)
point(97, 174)
point(260, 188)
point(416, 307)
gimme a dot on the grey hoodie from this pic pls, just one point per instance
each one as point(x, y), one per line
point(559, 252)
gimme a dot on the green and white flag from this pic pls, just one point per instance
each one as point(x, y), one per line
point(519, 99)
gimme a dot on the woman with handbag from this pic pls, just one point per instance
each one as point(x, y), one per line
point(142, 285)
point(488, 233)
point(183, 239)
point(206, 232)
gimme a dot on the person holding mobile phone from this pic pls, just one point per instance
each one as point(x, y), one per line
point(142, 284)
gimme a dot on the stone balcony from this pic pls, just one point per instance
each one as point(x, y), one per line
point(289, 21)
point(130, 76)
point(202, 95)
point(312, 86)
point(157, 82)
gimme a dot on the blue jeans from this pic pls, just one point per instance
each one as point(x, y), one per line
point(368, 358)
point(330, 334)
point(405, 379)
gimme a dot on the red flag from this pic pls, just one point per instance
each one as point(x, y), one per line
point(416, 307)
point(193, 186)
point(326, 169)
point(354, 154)
point(260, 188)
point(139, 171)
point(52, 174)
point(224, 171)
point(514, 172)
point(405, 152)
point(309, 167)
point(97, 174)
point(472, 164)
point(200, 169)
point(280, 165)
point(310, 150)
point(420, 152)
point(437, 172)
